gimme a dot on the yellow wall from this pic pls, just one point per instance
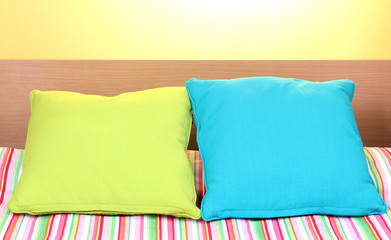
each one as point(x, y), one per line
point(195, 29)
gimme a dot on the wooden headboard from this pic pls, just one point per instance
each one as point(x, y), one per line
point(372, 100)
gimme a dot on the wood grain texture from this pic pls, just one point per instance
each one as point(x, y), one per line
point(372, 100)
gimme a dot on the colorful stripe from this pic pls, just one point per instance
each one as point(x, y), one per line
point(73, 226)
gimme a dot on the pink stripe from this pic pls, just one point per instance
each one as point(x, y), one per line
point(170, 226)
point(32, 227)
point(213, 230)
point(248, 229)
point(333, 227)
point(322, 230)
point(126, 232)
point(353, 226)
point(309, 227)
point(202, 229)
point(277, 229)
point(188, 227)
point(379, 163)
point(235, 228)
point(141, 227)
point(5, 176)
point(3, 156)
point(81, 225)
point(230, 233)
point(10, 176)
point(295, 225)
point(61, 225)
point(105, 219)
point(8, 231)
point(95, 219)
point(385, 173)
point(383, 225)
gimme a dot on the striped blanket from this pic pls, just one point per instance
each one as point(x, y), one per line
point(72, 226)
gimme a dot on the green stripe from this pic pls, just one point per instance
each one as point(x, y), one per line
point(73, 226)
point(237, 228)
point(129, 226)
point(387, 215)
point(198, 230)
point(16, 172)
point(4, 217)
point(305, 228)
point(111, 231)
point(339, 220)
point(326, 226)
point(6, 212)
point(42, 223)
point(256, 225)
point(89, 226)
point(364, 227)
point(288, 228)
point(219, 226)
point(20, 225)
point(151, 233)
point(2, 150)
point(384, 160)
point(376, 175)
point(182, 229)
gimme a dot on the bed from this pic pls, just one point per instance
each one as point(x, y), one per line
point(372, 106)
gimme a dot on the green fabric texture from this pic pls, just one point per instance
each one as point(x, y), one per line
point(108, 155)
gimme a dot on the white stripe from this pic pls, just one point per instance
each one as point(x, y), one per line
point(145, 233)
point(270, 227)
point(86, 221)
point(23, 226)
point(7, 222)
point(346, 227)
point(284, 231)
point(226, 236)
point(301, 226)
point(56, 223)
point(177, 228)
point(132, 228)
point(194, 231)
point(35, 230)
point(68, 226)
point(116, 226)
point(106, 221)
point(357, 225)
point(378, 227)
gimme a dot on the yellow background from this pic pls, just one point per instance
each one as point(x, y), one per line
point(195, 29)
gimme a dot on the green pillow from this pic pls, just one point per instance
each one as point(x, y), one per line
point(108, 155)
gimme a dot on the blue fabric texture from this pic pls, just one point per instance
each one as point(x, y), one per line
point(275, 147)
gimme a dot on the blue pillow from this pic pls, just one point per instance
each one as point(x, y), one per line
point(276, 147)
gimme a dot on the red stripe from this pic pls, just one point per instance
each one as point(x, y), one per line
point(51, 226)
point(229, 230)
point(101, 227)
point(373, 226)
point(4, 183)
point(121, 219)
point(385, 149)
point(316, 227)
point(160, 228)
point(209, 230)
point(275, 222)
point(173, 228)
point(266, 230)
point(9, 225)
point(385, 224)
point(333, 227)
point(63, 227)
